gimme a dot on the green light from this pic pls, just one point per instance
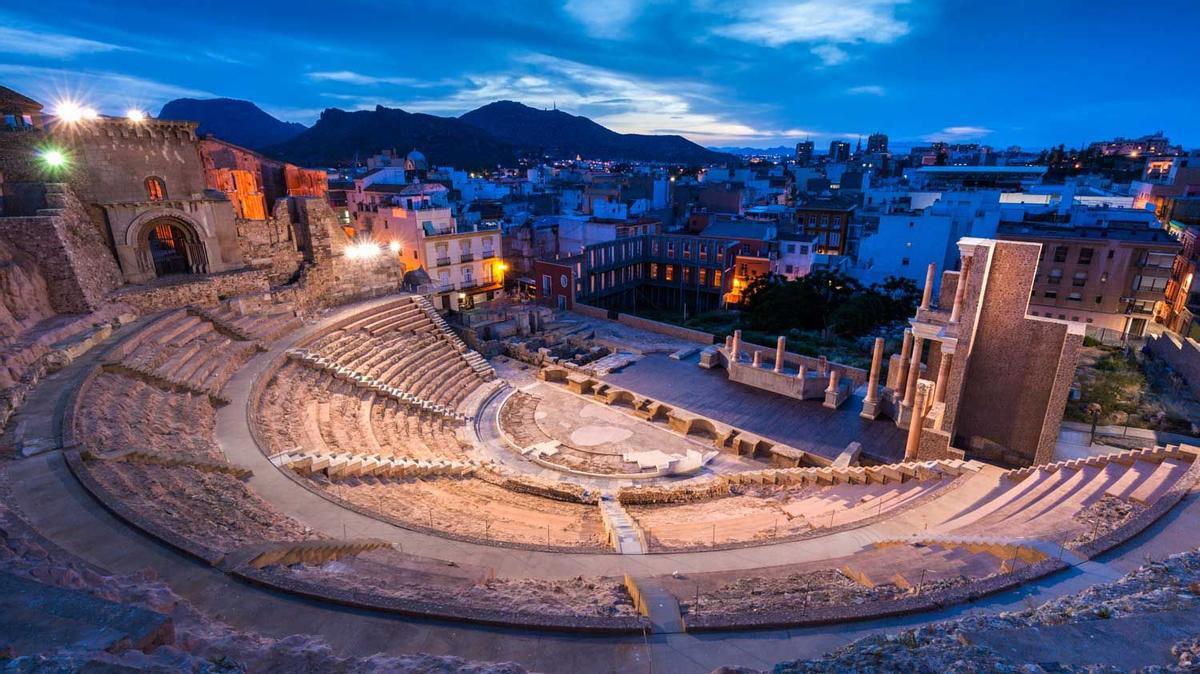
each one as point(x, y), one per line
point(54, 158)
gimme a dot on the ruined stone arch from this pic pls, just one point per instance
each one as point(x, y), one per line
point(703, 428)
point(168, 242)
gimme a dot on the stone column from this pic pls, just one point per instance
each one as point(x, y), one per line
point(802, 378)
point(729, 343)
point(831, 393)
point(780, 347)
point(943, 376)
point(915, 423)
point(757, 358)
point(914, 372)
point(873, 381)
point(960, 289)
point(822, 366)
point(905, 354)
point(736, 349)
point(927, 294)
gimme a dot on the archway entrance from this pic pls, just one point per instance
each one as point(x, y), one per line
point(174, 250)
point(169, 249)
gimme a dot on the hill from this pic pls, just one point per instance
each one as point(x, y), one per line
point(339, 136)
point(559, 134)
point(239, 122)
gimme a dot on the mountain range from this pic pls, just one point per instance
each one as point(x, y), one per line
point(495, 134)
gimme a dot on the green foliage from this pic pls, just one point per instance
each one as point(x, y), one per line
point(828, 300)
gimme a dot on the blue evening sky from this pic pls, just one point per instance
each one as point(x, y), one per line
point(754, 72)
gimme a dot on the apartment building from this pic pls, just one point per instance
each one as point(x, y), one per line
point(659, 271)
point(1107, 270)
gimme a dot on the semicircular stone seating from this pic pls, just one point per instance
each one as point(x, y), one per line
point(145, 436)
point(879, 532)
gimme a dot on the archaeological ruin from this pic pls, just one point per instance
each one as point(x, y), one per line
point(211, 392)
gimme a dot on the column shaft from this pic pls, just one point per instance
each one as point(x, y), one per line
point(914, 371)
point(876, 362)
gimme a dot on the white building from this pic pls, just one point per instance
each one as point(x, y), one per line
point(904, 232)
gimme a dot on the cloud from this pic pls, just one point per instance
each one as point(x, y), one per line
point(608, 19)
point(108, 92)
point(50, 44)
point(350, 77)
point(868, 89)
point(779, 22)
point(958, 133)
point(830, 54)
point(829, 25)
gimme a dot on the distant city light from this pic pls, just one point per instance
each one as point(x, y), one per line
point(53, 158)
point(135, 115)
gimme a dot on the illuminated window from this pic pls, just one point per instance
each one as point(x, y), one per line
point(670, 272)
point(156, 189)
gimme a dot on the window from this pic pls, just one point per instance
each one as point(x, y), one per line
point(904, 262)
point(1074, 297)
point(1079, 279)
point(1060, 254)
point(1099, 299)
point(791, 248)
point(787, 269)
point(654, 270)
point(1110, 254)
point(1085, 255)
point(670, 249)
point(804, 250)
point(156, 189)
point(1050, 294)
point(1150, 283)
point(546, 285)
point(1055, 276)
point(670, 272)
point(717, 278)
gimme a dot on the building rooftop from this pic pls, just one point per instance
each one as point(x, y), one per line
point(982, 169)
point(740, 229)
point(14, 101)
point(1111, 231)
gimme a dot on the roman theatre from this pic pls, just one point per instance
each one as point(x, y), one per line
point(295, 441)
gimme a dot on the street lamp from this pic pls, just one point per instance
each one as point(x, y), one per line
point(53, 158)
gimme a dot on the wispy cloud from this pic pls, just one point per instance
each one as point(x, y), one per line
point(958, 133)
point(351, 77)
point(49, 44)
point(108, 92)
point(827, 24)
point(830, 54)
point(868, 90)
point(606, 19)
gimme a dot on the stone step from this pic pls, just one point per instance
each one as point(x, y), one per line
point(38, 618)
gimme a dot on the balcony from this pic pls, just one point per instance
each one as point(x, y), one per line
point(467, 257)
point(487, 255)
point(443, 261)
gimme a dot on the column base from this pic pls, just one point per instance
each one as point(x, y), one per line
point(871, 409)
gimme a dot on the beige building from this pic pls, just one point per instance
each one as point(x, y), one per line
point(414, 221)
point(1110, 275)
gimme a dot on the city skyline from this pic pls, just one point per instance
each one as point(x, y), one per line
point(763, 76)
